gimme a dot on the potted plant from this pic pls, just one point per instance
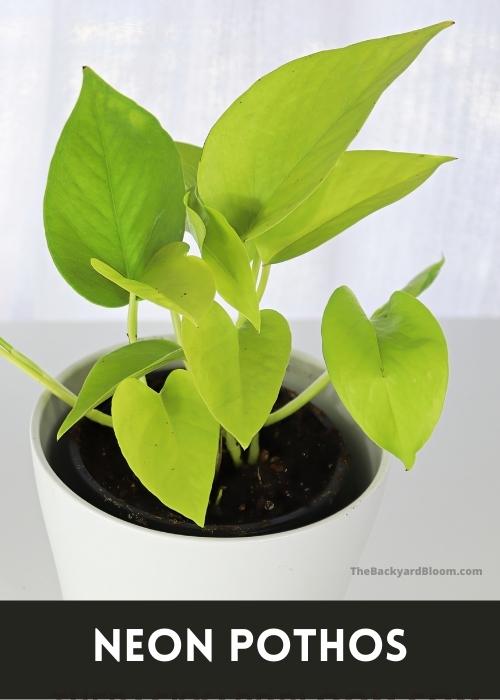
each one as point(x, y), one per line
point(219, 463)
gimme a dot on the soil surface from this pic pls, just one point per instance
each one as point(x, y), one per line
point(302, 475)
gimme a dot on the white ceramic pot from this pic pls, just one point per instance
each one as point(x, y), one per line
point(99, 556)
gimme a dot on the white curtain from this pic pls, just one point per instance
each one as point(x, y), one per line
point(186, 61)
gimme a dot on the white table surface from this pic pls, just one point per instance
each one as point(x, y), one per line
point(445, 513)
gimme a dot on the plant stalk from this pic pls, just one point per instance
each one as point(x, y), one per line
point(254, 449)
point(132, 324)
point(260, 281)
point(256, 265)
point(304, 397)
point(176, 323)
point(264, 278)
point(55, 387)
point(132, 318)
point(233, 448)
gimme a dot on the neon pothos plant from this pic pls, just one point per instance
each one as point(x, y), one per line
point(273, 181)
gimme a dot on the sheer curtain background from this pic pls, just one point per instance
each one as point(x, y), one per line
point(187, 61)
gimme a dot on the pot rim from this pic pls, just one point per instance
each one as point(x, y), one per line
point(38, 451)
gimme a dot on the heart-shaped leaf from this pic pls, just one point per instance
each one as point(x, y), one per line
point(114, 191)
point(169, 440)
point(391, 372)
point(238, 371)
point(417, 285)
point(172, 279)
point(279, 140)
point(227, 256)
point(190, 157)
point(360, 183)
point(134, 360)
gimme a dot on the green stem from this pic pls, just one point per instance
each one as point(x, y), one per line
point(132, 319)
point(304, 397)
point(176, 322)
point(264, 277)
point(254, 449)
point(55, 387)
point(132, 324)
point(256, 265)
point(233, 448)
point(264, 271)
point(219, 456)
point(220, 493)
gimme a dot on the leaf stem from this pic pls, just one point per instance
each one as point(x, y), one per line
point(256, 265)
point(132, 318)
point(220, 493)
point(304, 397)
point(254, 449)
point(132, 324)
point(264, 277)
point(176, 322)
point(233, 448)
point(261, 282)
point(55, 387)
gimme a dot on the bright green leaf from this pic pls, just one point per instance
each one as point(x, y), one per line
point(391, 373)
point(279, 140)
point(114, 191)
point(227, 256)
point(417, 285)
point(360, 183)
point(134, 360)
point(169, 440)
point(172, 279)
point(238, 371)
point(190, 157)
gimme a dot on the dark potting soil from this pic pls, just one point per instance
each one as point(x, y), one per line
point(303, 474)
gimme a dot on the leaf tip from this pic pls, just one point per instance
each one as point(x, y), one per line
point(342, 291)
point(440, 26)
point(88, 73)
point(255, 320)
point(188, 317)
point(408, 461)
point(199, 521)
point(63, 429)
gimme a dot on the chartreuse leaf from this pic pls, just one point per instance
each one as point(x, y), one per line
point(173, 279)
point(417, 285)
point(114, 191)
point(390, 372)
point(238, 371)
point(169, 440)
point(360, 183)
point(227, 256)
point(279, 140)
point(190, 157)
point(134, 360)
